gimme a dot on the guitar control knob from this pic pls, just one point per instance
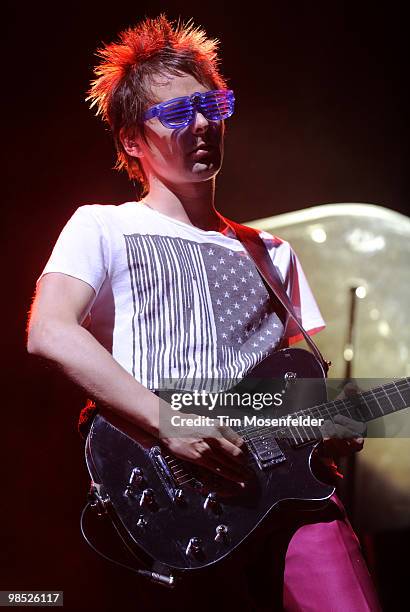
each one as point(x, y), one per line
point(221, 533)
point(290, 379)
point(141, 521)
point(147, 498)
point(135, 481)
point(212, 503)
point(179, 497)
point(194, 546)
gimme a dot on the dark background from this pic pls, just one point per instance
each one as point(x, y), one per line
point(320, 90)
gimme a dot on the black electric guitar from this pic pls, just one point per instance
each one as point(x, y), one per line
point(182, 516)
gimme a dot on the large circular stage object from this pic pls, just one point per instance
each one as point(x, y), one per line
point(361, 253)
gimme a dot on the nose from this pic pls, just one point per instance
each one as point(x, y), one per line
point(199, 123)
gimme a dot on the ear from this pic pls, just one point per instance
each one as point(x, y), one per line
point(131, 143)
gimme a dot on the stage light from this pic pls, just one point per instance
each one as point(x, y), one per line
point(318, 234)
point(361, 292)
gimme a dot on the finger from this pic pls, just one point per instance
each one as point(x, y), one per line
point(335, 431)
point(337, 447)
point(232, 436)
point(233, 455)
point(357, 427)
point(351, 389)
point(341, 418)
point(230, 442)
point(328, 429)
point(358, 443)
point(242, 471)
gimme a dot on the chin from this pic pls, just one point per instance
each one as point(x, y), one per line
point(201, 170)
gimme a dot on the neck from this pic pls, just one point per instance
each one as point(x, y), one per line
point(365, 406)
point(191, 203)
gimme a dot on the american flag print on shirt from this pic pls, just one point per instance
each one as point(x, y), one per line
point(202, 316)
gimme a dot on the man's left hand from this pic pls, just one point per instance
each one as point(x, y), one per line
point(343, 436)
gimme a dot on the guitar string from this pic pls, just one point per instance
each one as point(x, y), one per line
point(339, 407)
point(345, 404)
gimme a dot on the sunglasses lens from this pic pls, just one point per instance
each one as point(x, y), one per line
point(218, 105)
point(177, 113)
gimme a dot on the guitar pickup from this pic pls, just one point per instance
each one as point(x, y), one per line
point(267, 452)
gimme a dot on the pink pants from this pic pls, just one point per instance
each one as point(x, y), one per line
point(311, 563)
point(325, 570)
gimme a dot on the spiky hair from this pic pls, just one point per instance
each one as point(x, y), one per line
point(154, 47)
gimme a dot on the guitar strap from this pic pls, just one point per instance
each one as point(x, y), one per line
point(257, 250)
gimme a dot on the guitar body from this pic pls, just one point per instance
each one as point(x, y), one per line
point(208, 518)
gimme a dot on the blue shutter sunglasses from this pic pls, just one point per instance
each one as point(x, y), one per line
point(215, 105)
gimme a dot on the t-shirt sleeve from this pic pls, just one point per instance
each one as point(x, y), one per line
point(81, 249)
point(297, 288)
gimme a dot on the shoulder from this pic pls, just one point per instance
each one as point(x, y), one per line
point(104, 211)
point(104, 215)
point(273, 241)
point(280, 250)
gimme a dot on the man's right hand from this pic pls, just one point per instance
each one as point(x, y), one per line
point(217, 448)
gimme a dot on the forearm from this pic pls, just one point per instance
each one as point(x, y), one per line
point(85, 361)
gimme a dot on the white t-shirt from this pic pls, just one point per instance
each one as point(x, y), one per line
point(176, 304)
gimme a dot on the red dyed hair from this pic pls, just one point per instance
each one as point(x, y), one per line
point(121, 92)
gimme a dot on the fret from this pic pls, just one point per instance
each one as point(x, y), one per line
point(338, 407)
point(366, 405)
point(346, 405)
point(302, 432)
point(307, 428)
point(380, 401)
point(300, 438)
point(397, 391)
point(303, 438)
point(388, 396)
point(399, 402)
point(325, 408)
point(312, 435)
point(315, 414)
point(289, 429)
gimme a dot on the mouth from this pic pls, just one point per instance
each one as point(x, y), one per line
point(203, 147)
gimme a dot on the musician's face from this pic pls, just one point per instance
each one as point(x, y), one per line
point(172, 155)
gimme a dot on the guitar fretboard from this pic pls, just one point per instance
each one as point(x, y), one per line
point(365, 406)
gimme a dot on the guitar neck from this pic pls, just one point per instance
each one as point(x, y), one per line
point(364, 406)
point(368, 405)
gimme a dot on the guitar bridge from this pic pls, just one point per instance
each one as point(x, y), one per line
point(165, 473)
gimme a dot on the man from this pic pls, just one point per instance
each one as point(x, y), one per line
point(172, 293)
